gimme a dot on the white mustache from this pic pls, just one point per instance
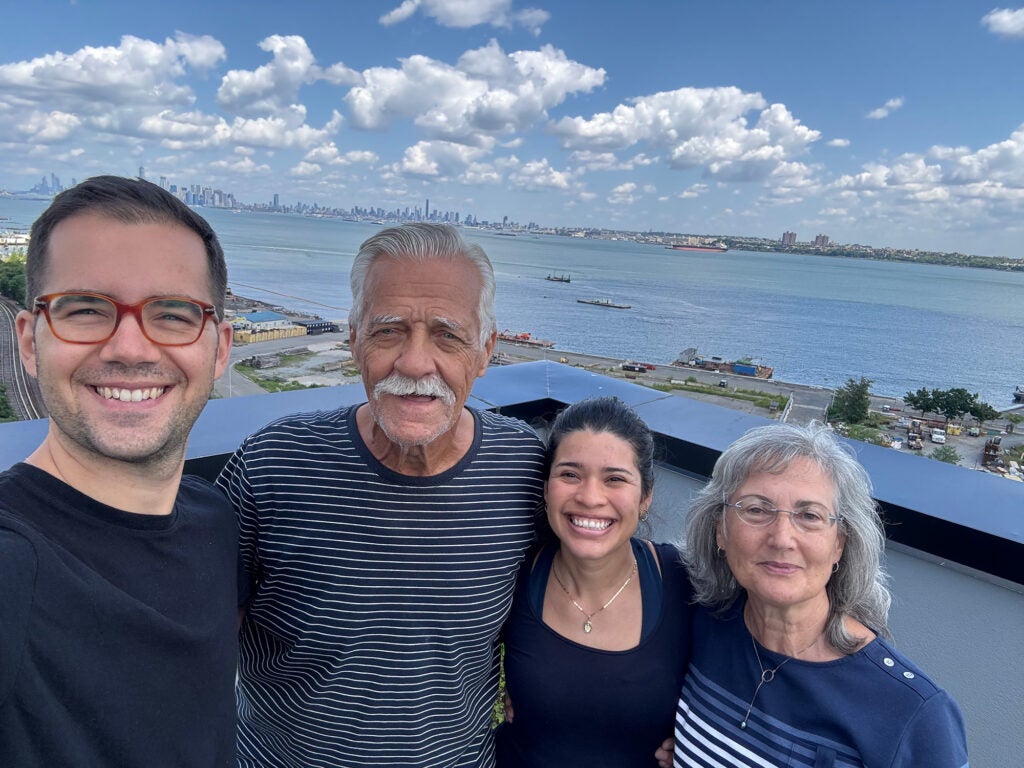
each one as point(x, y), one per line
point(429, 386)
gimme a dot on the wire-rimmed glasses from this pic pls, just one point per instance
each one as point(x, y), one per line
point(760, 513)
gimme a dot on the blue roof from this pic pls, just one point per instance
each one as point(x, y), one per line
point(263, 317)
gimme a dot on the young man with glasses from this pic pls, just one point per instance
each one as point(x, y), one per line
point(117, 616)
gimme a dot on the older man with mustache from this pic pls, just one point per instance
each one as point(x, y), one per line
point(382, 540)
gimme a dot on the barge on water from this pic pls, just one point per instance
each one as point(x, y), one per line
point(604, 303)
point(695, 245)
point(689, 358)
point(524, 339)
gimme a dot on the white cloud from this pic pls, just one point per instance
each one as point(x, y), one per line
point(102, 89)
point(694, 191)
point(437, 159)
point(697, 127)
point(401, 13)
point(838, 143)
point(1005, 22)
point(886, 109)
point(481, 173)
point(196, 131)
point(246, 166)
point(942, 189)
point(49, 127)
point(329, 154)
point(463, 14)
point(597, 161)
point(274, 88)
point(538, 174)
point(487, 94)
point(305, 169)
point(623, 194)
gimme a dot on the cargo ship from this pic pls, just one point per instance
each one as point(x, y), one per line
point(689, 358)
point(559, 278)
point(524, 339)
point(712, 248)
point(604, 303)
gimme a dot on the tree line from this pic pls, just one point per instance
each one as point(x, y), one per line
point(851, 405)
point(12, 277)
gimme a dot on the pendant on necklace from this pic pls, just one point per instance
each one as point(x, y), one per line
point(587, 627)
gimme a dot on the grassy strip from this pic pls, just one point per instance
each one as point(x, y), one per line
point(758, 398)
point(270, 384)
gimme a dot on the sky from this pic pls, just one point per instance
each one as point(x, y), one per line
point(889, 123)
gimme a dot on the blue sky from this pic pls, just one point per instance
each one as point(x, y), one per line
point(890, 123)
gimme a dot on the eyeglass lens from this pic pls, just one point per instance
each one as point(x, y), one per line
point(91, 318)
point(758, 512)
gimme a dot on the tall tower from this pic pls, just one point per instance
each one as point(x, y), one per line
point(142, 173)
point(426, 215)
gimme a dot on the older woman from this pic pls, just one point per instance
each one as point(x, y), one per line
point(596, 643)
point(789, 662)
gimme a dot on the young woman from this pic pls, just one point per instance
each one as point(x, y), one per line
point(597, 641)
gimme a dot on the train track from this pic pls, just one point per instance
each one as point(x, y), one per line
point(22, 390)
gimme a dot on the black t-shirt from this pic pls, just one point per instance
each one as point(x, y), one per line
point(118, 639)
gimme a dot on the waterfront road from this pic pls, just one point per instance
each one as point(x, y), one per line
point(809, 402)
point(22, 390)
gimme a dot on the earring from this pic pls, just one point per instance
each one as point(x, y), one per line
point(835, 567)
point(643, 515)
point(720, 552)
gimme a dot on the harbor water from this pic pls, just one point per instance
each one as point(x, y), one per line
point(817, 320)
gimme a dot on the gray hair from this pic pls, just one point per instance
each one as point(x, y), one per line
point(858, 589)
point(421, 242)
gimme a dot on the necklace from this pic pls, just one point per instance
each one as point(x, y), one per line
point(767, 674)
point(587, 626)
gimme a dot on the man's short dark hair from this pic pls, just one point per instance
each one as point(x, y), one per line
point(129, 201)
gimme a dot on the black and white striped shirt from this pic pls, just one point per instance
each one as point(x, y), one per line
point(371, 629)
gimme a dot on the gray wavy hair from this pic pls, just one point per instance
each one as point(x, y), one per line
point(421, 242)
point(858, 589)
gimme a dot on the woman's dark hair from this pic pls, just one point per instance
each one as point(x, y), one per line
point(607, 414)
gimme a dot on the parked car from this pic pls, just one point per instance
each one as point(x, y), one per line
point(938, 436)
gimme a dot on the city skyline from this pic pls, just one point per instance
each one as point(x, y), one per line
point(897, 126)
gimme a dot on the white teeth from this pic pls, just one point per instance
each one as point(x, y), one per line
point(590, 524)
point(130, 395)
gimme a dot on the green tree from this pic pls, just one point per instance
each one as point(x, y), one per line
point(12, 277)
point(953, 403)
point(946, 453)
point(851, 401)
point(6, 412)
point(923, 400)
point(983, 412)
